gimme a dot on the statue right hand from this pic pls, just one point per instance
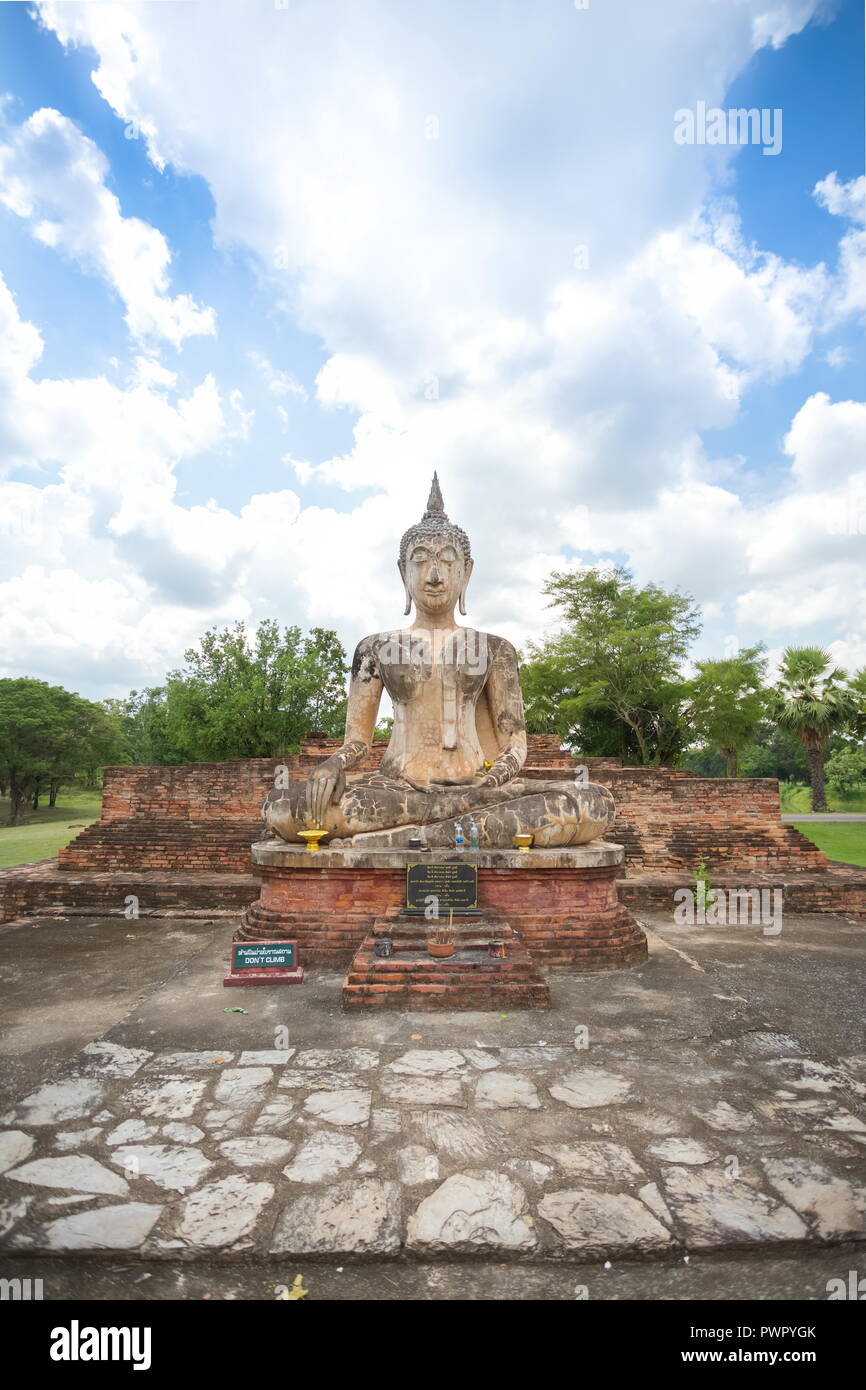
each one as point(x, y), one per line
point(321, 787)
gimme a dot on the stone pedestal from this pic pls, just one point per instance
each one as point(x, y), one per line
point(561, 904)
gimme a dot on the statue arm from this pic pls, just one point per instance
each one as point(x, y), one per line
point(365, 696)
point(327, 782)
point(505, 701)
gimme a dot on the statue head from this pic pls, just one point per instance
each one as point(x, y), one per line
point(435, 560)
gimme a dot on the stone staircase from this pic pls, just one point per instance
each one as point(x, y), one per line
point(470, 979)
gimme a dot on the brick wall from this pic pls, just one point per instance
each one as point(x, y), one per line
point(204, 816)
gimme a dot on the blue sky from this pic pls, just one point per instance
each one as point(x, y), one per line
point(343, 253)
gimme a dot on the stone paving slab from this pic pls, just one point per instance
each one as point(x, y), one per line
point(539, 1151)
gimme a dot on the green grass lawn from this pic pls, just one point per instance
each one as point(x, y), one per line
point(43, 833)
point(794, 796)
point(846, 842)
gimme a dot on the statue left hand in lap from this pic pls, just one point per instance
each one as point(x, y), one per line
point(458, 740)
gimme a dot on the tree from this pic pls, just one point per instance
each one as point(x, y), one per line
point(846, 768)
point(142, 719)
point(245, 697)
point(812, 703)
point(49, 736)
point(615, 665)
point(727, 703)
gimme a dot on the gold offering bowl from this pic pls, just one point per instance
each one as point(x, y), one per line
point(523, 842)
point(313, 837)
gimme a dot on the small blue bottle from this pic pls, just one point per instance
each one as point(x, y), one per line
point(459, 841)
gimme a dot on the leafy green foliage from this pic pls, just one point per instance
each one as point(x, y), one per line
point(812, 702)
point(50, 736)
point(242, 696)
point(846, 768)
point(612, 676)
point(727, 702)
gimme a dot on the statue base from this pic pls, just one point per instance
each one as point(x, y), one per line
point(561, 904)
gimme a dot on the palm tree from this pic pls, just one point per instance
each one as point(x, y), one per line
point(812, 703)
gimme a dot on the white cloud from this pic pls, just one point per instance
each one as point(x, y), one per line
point(562, 406)
point(55, 177)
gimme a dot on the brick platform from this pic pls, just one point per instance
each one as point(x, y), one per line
point(470, 979)
point(561, 904)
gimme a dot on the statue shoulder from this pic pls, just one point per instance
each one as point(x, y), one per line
point(365, 662)
point(500, 649)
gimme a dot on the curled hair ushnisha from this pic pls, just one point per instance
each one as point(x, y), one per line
point(434, 522)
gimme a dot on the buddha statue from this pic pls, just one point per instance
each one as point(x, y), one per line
point(458, 741)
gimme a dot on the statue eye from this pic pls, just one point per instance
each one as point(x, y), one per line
point(421, 554)
point(448, 555)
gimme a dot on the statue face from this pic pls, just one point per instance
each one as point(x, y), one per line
point(435, 573)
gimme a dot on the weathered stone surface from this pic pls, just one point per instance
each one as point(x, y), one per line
point(384, 1124)
point(601, 1223)
point(650, 1195)
point(682, 1151)
point(804, 1074)
point(726, 1119)
point(107, 1228)
point(275, 1057)
point(110, 1059)
point(173, 1168)
point(190, 1061)
point(423, 1090)
point(15, 1146)
point(183, 1134)
point(766, 1044)
point(243, 1086)
point(457, 1135)
point(533, 1058)
point(415, 1165)
point(224, 1213)
point(131, 1132)
point(71, 1140)
point(350, 1058)
point(361, 1218)
point(718, 1210)
point(275, 1115)
point(255, 1150)
point(476, 1213)
point(506, 1090)
point(168, 1100)
point(843, 1120)
point(303, 1079)
point(594, 1159)
point(323, 1156)
point(479, 1058)
point(591, 1087)
point(652, 1121)
point(529, 1170)
point(350, 1107)
point(58, 1101)
point(76, 1171)
point(836, 1207)
point(13, 1212)
point(428, 1062)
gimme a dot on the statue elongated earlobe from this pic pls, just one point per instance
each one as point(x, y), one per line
point(461, 602)
point(408, 608)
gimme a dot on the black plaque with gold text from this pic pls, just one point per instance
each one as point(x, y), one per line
point(453, 885)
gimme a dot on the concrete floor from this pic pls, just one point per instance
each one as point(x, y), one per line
point(157, 984)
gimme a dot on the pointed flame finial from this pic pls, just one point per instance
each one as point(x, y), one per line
point(435, 505)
